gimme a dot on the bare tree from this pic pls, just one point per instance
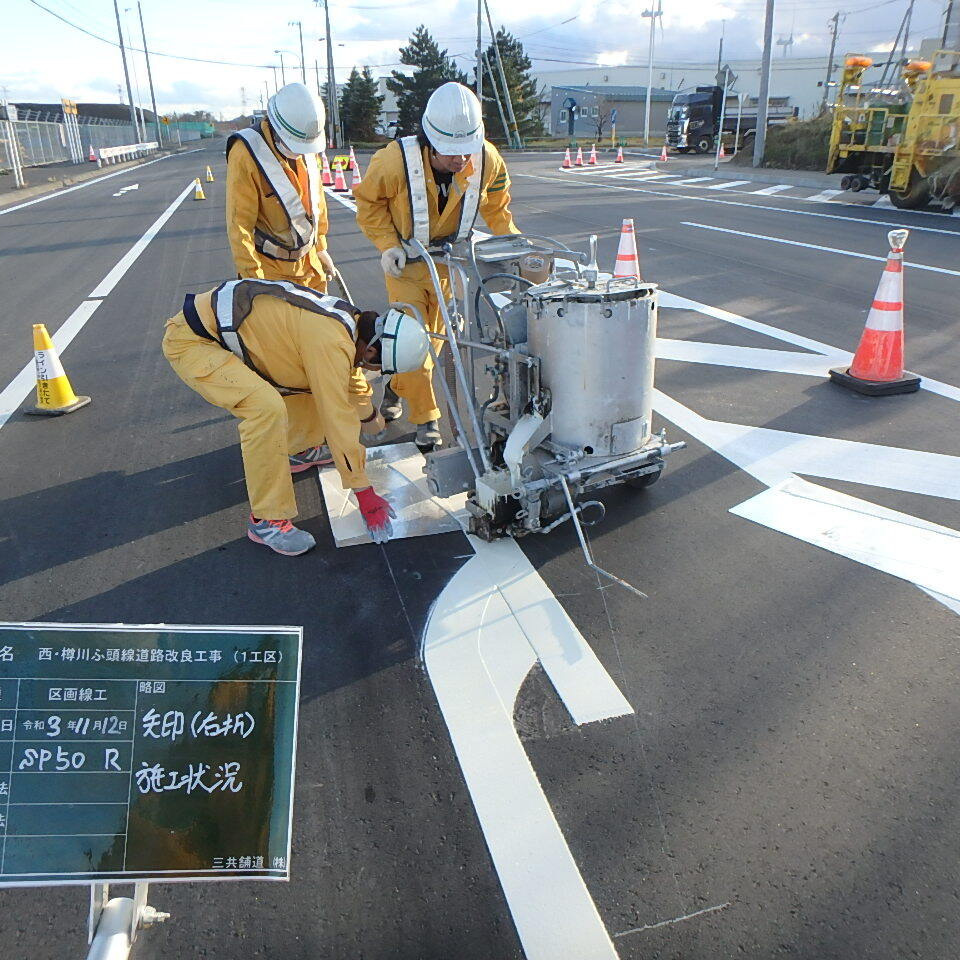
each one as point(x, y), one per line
point(602, 117)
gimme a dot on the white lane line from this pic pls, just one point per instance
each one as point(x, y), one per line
point(17, 390)
point(750, 358)
point(106, 285)
point(90, 183)
point(814, 246)
point(824, 196)
point(683, 183)
point(770, 191)
point(919, 552)
point(701, 198)
point(344, 198)
point(672, 300)
point(477, 658)
point(729, 185)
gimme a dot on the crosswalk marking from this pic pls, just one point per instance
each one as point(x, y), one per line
point(824, 196)
point(769, 191)
point(729, 184)
point(684, 183)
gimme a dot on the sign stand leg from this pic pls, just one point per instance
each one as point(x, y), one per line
point(114, 922)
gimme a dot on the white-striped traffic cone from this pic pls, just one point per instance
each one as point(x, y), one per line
point(55, 396)
point(356, 175)
point(628, 262)
point(339, 181)
point(327, 177)
point(663, 154)
point(351, 160)
point(723, 153)
point(579, 160)
point(593, 156)
point(877, 368)
point(566, 160)
point(619, 155)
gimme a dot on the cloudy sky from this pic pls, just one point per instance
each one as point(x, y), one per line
point(42, 58)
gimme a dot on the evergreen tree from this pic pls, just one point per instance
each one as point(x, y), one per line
point(523, 89)
point(433, 67)
point(360, 106)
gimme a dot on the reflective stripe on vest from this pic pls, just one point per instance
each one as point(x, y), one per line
point(302, 234)
point(412, 154)
point(232, 302)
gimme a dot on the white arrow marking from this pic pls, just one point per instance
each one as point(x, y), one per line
point(123, 190)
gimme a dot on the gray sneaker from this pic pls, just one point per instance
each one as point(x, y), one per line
point(428, 435)
point(311, 457)
point(281, 536)
point(392, 407)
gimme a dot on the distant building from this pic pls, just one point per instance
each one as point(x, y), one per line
point(586, 112)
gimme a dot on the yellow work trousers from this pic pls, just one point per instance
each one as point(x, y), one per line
point(416, 288)
point(271, 426)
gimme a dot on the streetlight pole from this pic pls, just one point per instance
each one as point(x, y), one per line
point(760, 140)
point(283, 72)
point(303, 63)
point(835, 20)
point(333, 109)
point(126, 72)
point(153, 99)
point(479, 51)
point(652, 14)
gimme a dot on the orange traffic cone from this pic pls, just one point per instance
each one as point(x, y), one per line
point(593, 156)
point(628, 262)
point(579, 161)
point(723, 153)
point(339, 181)
point(352, 159)
point(327, 178)
point(877, 368)
point(566, 160)
point(663, 154)
point(92, 157)
point(356, 175)
point(55, 396)
point(619, 155)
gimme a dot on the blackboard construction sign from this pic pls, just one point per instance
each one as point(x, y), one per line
point(146, 753)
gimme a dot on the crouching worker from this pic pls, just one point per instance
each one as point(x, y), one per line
point(281, 359)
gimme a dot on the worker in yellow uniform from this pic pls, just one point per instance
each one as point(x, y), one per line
point(281, 358)
point(430, 187)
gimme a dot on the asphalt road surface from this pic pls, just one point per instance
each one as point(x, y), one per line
point(786, 781)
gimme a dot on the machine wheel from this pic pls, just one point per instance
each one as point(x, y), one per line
point(915, 197)
point(645, 480)
point(704, 144)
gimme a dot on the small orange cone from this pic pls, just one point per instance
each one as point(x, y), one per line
point(593, 156)
point(55, 396)
point(566, 160)
point(357, 179)
point(723, 153)
point(619, 155)
point(92, 157)
point(877, 368)
point(663, 154)
point(579, 160)
point(628, 262)
point(339, 181)
point(352, 159)
point(327, 178)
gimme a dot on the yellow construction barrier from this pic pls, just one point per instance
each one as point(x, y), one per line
point(55, 396)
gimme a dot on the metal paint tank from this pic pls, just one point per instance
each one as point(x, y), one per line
point(598, 346)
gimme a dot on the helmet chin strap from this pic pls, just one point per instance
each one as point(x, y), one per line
point(283, 149)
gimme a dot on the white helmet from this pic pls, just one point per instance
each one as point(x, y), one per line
point(298, 118)
point(403, 346)
point(453, 121)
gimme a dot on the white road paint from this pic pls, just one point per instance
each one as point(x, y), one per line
point(17, 390)
point(728, 185)
point(683, 183)
point(824, 196)
point(922, 553)
point(749, 358)
point(477, 656)
point(814, 246)
point(912, 224)
point(123, 190)
point(770, 191)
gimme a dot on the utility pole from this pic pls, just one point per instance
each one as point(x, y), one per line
point(146, 53)
point(333, 110)
point(303, 63)
point(283, 72)
point(266, 89)
point(275, 87)
point(652, 14)
point(503, 80)
point(723, 30)
point(316, 67)
point(906, 31)
point(126, 72)
point(496, 96)
point(835, 20)
point(480, 51)
point(760, 141)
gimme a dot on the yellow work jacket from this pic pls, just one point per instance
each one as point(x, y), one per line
point(251, 203)
point(383, 198)
point(307, 351)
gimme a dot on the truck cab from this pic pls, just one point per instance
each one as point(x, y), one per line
point(693, 119)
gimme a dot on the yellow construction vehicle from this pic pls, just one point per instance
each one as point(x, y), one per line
point(905, 140)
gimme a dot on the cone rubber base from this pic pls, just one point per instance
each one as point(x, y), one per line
point(908, 383)
point(58, 411)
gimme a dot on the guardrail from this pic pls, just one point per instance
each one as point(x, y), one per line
point(130, 151)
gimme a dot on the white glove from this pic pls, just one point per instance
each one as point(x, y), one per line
point(393, 261)
point(326, 261)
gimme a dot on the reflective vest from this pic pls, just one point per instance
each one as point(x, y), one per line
point(412, 154)
point(232, 302)
point(302, 234)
